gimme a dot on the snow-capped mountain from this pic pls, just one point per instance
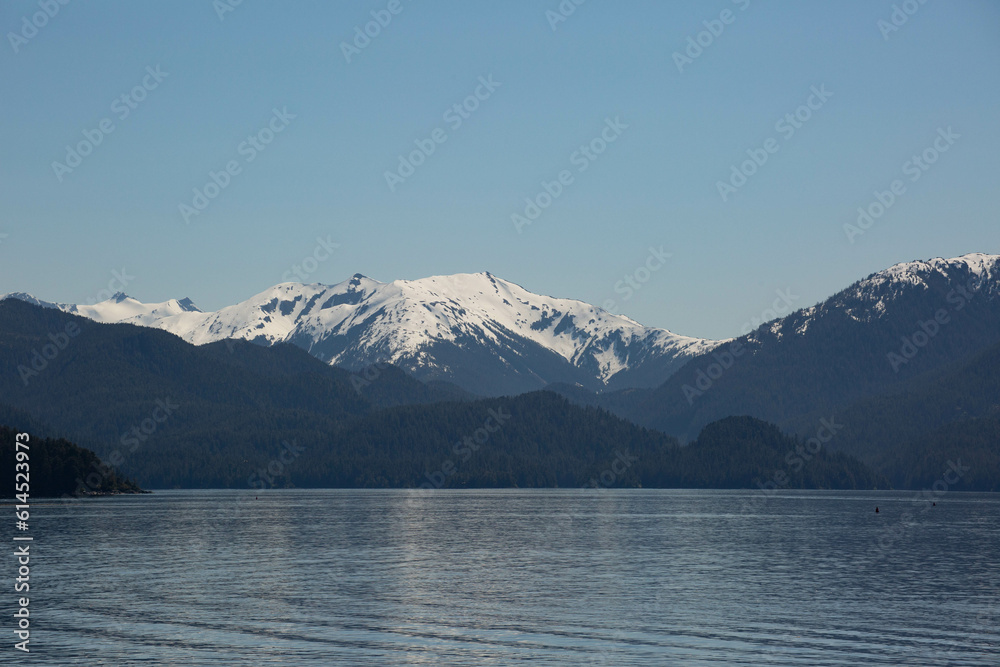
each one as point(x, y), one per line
point(119, 308)
point(891, 304)
point(867, 300)
point(871, 338)
point(487, 335)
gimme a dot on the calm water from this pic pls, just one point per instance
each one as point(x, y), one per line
point(516, 577)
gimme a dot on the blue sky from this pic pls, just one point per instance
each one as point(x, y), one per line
point(655, 186)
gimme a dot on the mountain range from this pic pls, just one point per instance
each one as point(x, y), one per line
point(905, 361)
point(900, 370)
point(487, 335)
point(872, 338)
point(232, 414)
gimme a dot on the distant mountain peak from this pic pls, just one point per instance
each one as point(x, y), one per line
point(187, 305)
point(20, 296)
point(977, 263)
point(28, 298)
point(484, 333)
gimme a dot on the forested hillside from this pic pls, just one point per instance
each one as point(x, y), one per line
point(56, 467)
point(236, 415)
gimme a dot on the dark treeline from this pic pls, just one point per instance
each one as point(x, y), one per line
point(970, 447)
point(743, 452)
point(57, 467)
point(533, 440)
point(233, 415)
point(906, 418)
point(783, 375)
point(950, 414)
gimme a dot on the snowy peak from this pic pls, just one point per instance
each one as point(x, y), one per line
point(935, 282)
point(503, 338)
point(480, 305)
point(186, 305)
point(973, 270)
point(28, 298)
point(976, 265)
point(118, 308)
point(491, 336)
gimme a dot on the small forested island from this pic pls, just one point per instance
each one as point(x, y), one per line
point(58, 468)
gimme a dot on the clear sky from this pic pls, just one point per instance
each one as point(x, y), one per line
point(678, 128)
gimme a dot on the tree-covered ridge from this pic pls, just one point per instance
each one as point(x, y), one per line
point(744, 452)
point(949, 414)
point(968, 450)
point(57, 467)
point(912, 371)
point(826, 357)
point(532, 440)
point(236, 415)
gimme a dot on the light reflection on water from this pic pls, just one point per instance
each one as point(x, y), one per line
point(547, 577)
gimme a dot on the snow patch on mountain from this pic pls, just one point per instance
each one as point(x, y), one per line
point(869, 299)
point(979, 265)
point(123, 308)
point(361, 321)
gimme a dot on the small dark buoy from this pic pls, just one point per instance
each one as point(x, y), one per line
point(876, 510)
point(933, 504)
